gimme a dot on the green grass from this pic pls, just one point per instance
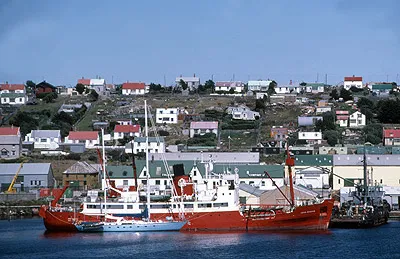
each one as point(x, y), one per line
point(53, 107)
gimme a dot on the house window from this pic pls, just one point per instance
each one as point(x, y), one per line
point(4, 152)
point(144, 182)
point(125, 182)
point(84, 183)
point(157, 182)
point(156, 150)
point(338, 181)
point(13, 153)
point(381, 181)
point(124, 173)
point(43, 140)
point(32, 182)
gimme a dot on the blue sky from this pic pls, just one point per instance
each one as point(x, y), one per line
point(129, 40)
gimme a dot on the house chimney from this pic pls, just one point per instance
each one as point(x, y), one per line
point(194, 75)
point(290, 83)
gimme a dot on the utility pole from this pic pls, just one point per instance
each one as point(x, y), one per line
point(317, 78)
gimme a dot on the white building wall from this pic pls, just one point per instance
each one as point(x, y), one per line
point(133, 92)
point(154, 147)
point(348, 84)
point(357, 119)
point(202, 132)
point(167, 115)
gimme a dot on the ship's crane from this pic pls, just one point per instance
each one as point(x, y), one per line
point(11, 188)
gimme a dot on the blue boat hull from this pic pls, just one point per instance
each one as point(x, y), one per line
point(140, 226)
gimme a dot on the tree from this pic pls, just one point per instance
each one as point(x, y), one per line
point(183, 84)
point(260, 104)
point(271, 88)
point(303, 83)
point(327, 122)
point(388, 111)
point(94, 95)
point(155, 88)
point(31, 86)
point(373, 133)
point(80, 88)
point(334, 94)
point(209, 85)
point(346, 95)
point(366, 107)
point(332, 137)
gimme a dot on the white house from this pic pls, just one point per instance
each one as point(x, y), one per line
point(97, 84)
point(13, 94)
point(315, 88)
point(133, 89)
point(350, 81)
point(167, 115)
point(156, 145)
point(357, 119)
point(311, 177)
point(310, 137)
point(44, 139)
point(121, 131)
point(192, 82)
point(203, 127)
point(90, 138)
point(226, 86)
point(258, 85)
point(242, 113)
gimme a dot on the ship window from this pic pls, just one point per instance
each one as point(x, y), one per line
point(129, 207)
point(224, 204)
point(204, 205)
point(190, 205)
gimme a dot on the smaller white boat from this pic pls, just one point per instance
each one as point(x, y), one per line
point(119, 224)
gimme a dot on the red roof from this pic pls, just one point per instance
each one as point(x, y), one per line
point(133, 86)
point(342, 117)
point(353, 78)
point(391, 133)
point(127, 128)
point(83, 135)
point(342, 112)
point(12, 87)
point(84, 81)
point(9, 131)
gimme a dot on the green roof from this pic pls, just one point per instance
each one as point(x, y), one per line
point(12, 95)
point(382, 87)
point(157, 169)
point(313, 160)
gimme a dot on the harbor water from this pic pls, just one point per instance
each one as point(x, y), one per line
point(27, 238)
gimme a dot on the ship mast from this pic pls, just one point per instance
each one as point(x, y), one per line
point(365, 193)
point(290, 163)
point(147, 160)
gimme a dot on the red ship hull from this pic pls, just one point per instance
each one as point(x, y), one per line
point(311, 217)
